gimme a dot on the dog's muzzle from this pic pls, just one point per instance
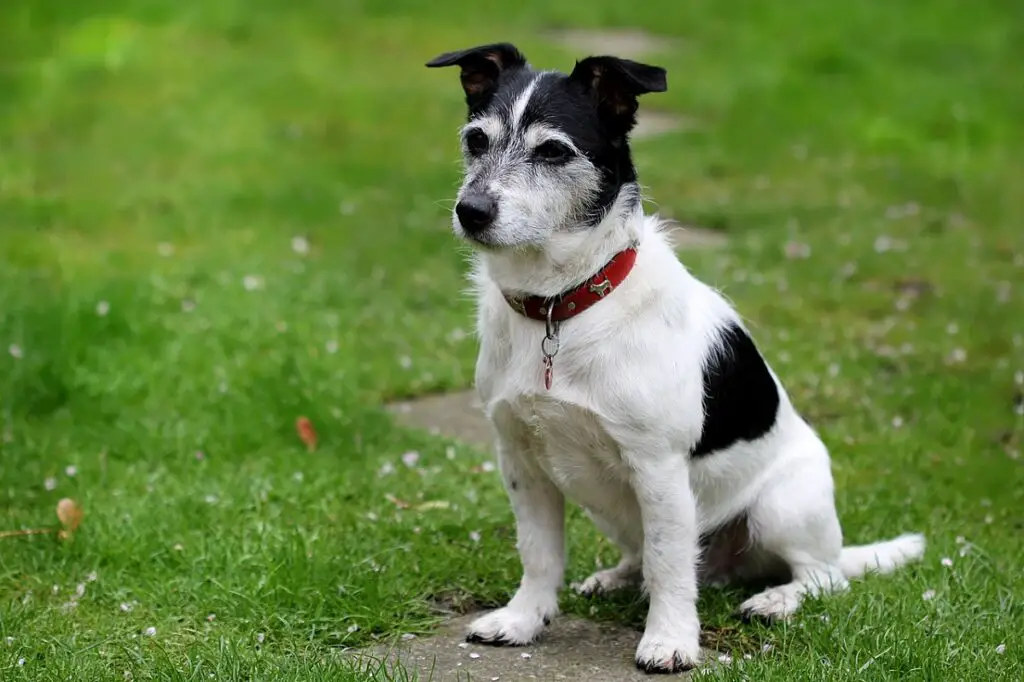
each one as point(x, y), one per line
point(476, 212)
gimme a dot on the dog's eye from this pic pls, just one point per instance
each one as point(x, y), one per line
point(477, 142)
point(552, 152)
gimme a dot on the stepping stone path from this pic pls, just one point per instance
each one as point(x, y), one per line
point(572, 649)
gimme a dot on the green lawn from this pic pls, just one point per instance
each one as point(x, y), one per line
point(160, 334)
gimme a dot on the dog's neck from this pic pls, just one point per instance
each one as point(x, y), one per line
point(569, 257)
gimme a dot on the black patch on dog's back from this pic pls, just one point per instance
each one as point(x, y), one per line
point(741, 399)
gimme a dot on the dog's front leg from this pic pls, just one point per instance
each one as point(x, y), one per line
point(671, 640)
point(539, 509)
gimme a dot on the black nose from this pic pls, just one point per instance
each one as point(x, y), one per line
point(476, 212)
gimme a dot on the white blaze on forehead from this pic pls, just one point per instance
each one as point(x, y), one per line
point(523, 100)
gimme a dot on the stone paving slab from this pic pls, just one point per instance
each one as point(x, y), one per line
point(456, 415)
point(572, 649)
point(627, 42)
point(653, 123)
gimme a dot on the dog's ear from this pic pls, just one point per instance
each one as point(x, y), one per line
point(481, 66)
point(615, 84)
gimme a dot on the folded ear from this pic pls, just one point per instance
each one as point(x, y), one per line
point(481, 66)
point(615, 84)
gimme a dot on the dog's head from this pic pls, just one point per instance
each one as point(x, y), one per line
point(544, 151)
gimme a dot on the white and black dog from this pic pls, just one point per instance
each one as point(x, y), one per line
point(615, 378)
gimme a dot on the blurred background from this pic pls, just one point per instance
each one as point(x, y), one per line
point(217, 217)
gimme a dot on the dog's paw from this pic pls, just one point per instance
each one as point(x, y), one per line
point(506, 627)
point(606, 581)
point(775, 604)
point(658, 653)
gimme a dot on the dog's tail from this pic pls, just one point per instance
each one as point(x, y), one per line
point(881, 557)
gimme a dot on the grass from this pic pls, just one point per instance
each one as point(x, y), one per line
point(158, 158)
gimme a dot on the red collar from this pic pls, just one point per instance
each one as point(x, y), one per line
point(576, 300)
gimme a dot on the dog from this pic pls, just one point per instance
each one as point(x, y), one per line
point(614, 378)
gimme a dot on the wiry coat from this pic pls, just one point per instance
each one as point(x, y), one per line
point(663, 421)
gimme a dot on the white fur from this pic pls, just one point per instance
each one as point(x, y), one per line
point(614, 434)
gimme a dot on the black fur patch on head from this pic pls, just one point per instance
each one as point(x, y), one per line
point(595, 105)
point(563, 104)
point(741, 399)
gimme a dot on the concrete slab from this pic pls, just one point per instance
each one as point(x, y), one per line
point(571, 649)
point(627, 42)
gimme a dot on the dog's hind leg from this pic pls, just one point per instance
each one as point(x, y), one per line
point(794, 519)
point(539, 509)
point(623, 527)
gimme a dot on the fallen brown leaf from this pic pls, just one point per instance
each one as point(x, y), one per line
point(70, 514)
point(306, 432)
point(401, 504)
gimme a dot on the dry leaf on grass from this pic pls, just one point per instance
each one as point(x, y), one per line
point(401, 504)
point(69, 513)
point(306, 432)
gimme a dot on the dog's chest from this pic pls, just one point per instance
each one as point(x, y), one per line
point(570, 443)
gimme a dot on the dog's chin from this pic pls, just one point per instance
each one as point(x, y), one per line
point(489, 240)
point(497, 239)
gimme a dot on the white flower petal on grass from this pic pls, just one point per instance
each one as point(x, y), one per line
point(15, 351)
point(71, 470)
point(474, 535)
point(353, 628)
point(405, 362)
point(50, 483)
point(150, 631)
point(21, 661)
point(947, 562)
point(386, 469)
point(1001, 649)
point(102, 308)
point(92, 577)
point(410, 458)
point(126, 607)
point(300, 245)
point(260, 637)
point(928, 595)
point(252, 282)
